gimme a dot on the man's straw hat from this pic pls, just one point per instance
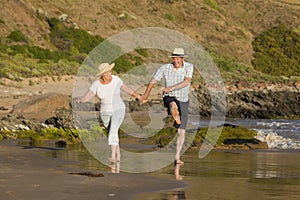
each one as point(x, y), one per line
point(178, 52)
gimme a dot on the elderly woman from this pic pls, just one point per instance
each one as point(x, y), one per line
point(108, 88)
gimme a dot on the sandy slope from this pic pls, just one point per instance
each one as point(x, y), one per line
point(13, 92)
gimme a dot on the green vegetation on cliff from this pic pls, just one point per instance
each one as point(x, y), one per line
point(277, 52)
point(71, 39)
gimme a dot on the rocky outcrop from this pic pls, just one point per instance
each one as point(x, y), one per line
point(55, 109)
point(14, 123)
point(263, 104)
point(63, 119)
point(245, 101)
point(41, 107)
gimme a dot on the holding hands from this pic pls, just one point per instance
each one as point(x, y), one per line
point(139, 98)
point(143, 99)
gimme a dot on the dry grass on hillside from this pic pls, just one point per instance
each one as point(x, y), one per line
point(226, 27)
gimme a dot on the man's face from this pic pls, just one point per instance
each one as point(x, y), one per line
point(177, 61)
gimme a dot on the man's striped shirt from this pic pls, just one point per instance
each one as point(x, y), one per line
point(173, 77)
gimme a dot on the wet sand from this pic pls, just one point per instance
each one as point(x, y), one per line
point(27, 174)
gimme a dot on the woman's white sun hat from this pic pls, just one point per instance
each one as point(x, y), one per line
point(104, 67)
point(178, 52)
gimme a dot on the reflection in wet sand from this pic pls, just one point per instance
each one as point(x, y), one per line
point(177, 172)
point(178, 194)
point(115, 167)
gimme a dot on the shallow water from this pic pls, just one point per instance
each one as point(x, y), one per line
point(259, 174)
point(286, 131)
point(229, 175)
point(237, 175)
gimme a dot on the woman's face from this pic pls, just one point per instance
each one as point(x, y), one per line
point(107, 74)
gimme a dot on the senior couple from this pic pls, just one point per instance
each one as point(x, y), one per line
point(177, 75)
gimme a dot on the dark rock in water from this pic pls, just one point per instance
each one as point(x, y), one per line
point(260, 145)
point(229, 125)
point(89, 174)
point(241, 141)
point(60, 143)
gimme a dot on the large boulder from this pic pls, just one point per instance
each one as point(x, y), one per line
point(41, 107)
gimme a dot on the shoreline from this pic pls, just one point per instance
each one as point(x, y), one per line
point(26, 174)
point(56, 91)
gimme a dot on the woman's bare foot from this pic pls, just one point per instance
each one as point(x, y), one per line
point(113, 160)
point(178, 162)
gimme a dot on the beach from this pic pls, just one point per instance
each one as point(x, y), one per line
point(50, 172)
point(26, 174)
point(46, 171)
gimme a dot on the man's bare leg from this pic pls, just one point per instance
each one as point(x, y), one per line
point(179, 145)
point(175, 112)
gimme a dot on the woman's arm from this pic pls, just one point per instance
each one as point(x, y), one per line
point(86, 97)
point(130, 91)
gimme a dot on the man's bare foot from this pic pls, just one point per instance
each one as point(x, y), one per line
point(175, 115)
point(179, 177)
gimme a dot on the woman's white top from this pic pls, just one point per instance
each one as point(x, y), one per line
point(109, 94)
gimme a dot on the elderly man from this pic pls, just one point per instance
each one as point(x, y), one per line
point(177, 75)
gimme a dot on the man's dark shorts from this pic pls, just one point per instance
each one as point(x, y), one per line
point(183, 108)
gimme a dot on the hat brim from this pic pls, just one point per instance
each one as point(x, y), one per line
point(178, 55)
point(110, 67)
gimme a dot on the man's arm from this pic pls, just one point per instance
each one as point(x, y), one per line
point(148, 90)
point(186, 82)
